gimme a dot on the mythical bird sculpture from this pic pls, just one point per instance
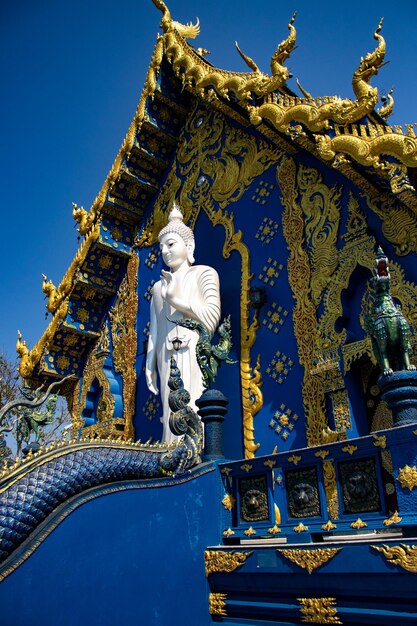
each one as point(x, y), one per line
point(386, 325)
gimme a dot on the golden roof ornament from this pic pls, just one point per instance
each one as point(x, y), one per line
point(387, 105)
point(188, 31)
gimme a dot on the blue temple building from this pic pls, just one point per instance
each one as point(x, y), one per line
point(306, 513)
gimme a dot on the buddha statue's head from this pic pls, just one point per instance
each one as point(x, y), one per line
point(176, 241)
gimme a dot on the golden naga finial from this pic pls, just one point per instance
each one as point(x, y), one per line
point(283, 52)
point(51, 293)
point(369, 67)
point(188, 31)
point(249, 62)
point(387, 105)
point(84, 219)
point(21, 347)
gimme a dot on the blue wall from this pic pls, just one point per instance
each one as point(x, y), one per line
point(135, 556)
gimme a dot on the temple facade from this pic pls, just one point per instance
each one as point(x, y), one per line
point(302, 510)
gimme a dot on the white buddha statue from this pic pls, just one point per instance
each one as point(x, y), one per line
point(185, 291)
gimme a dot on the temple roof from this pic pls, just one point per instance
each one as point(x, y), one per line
point(349, 135)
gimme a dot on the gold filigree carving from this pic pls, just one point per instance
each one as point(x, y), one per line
point(300, 528)
point(124, 336)
point(246, 467)
point(310, 559)
point(330, 487)
point(319, 611)
point(328, 526)
point(380, 441)
point(394, 519)
point(249, 532)
point(222, 561)
point(294, 458)
point(217, 604)
point(358, 524)
point(403, 555)
point(407, 477)
point(274, 530)
point(228, 533)
point(321, 454)
point(304, 314)
point(228, 501)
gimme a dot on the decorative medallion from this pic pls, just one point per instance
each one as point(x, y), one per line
point(279, 368)
point(407, 476)
point(394, 519)
point(310, 559)
point(270, 272)
point(228, 501)
point(267, 230)
point(253, 499)
point(262, 192)
point(359, 484)
point(319, 611)
point(275, 318)
point(302, 492)
point(151, 407)
point(224, 561)
point(217, 604)
point(405, 556)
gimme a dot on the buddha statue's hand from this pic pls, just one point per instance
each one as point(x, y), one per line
point(151, 381)
point(170, 288)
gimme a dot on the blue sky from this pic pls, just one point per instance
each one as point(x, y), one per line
point(72, 74)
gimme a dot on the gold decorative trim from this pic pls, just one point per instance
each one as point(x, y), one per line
point(228, 501)
point(321, 454)
point(300, 528)
point(380, 441)
point(350, 449)
point(217, 604)
point(123, 326)
point(403, 555)
point(330, 487)
point(270, 463)
point(246, 467)
point(310, 560)
point(294, 458)
point(358, 524)
point(226, 471)
point(319, 611)
point(394, 519)
point(228, 533)
point(274, 530)
point(249, 532)
point(407, 476)
point(329, 526)
point(224, 561)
